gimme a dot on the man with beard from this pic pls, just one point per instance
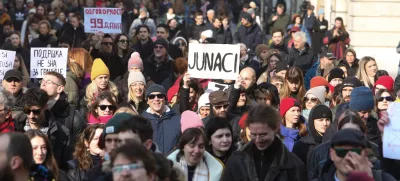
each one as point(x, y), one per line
point(111, 59)
point(362, 102)
point(219, 108)
point(349, 153)
point(349, 83)
point(277, 42)
point(165, 121)
point(265, 157)
point(159, 65)
point(145, 45)
point(15, 157)
point(54, 83)
point(143, 19)
point(37, 116)
point(12, 86)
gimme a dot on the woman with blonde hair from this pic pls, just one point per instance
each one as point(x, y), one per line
point(87, 153)
point(135, 99)
point(293, 85)
point(19, 65)
point(366, 71)
point(100, 77)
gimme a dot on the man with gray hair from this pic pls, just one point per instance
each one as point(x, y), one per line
point(6, 121)
point(300, 54)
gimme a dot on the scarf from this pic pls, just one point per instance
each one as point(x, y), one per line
point(200, 173)
point(28, 127)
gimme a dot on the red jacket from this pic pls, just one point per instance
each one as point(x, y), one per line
point(7, 126)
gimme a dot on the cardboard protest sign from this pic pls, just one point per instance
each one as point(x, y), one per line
point(107, 20)
point(215, 86)
point(214, 61)
point(48, 59)
point(391, 142)
point(6, 62)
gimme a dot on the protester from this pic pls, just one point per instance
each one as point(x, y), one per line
point(268, 66)
point(293, 85)
point(135, 97)
point(74, 29)
point(366, 72)
point(349, 83)
point(219, 133)
point(220, 35)
point(337, 39)
point(163, 33)
point(15, 146)
point(13, 88)
point(45, 39)
point(293, 125)
point(143, 19)
point(383, 82)
point(319, 29)
point(198, 27)
point(249, 33)
point(122, 49)
point(350, 61)
point(145, 44)
point(265, 153)
point(306, 58)
point(383, 98)
point(19, 65)
point(319, 120)
point(279, 20)
point(102, 109)
point(204, 106)
point(336, 76)
point(87, 154)
point(6, 120)
point(278, 43)
point(313, 97)
point(192, 157)
point(159, 65)
point(165, 122)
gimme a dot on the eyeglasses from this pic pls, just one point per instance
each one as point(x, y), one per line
point(13, 79)
point(104, 107)
point(159, 96)
point(107, 43)
point(387, 98)
point(312, 99)
point(35, 111)
point(123, 41)
point(121, 168)
point(158, 47)
point(47, 82)
point(341, 152)
point(221, 106)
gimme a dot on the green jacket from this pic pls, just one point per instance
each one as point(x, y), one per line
point(72, 88)
point(281, 23)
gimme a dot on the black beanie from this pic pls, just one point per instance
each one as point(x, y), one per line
point(351, 82)
point(247, 17)
point(336, 73)
point(281, 65)
point(163, 42)
point(320, 111)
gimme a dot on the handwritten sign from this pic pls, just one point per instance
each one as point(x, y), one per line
point(215, 86)
point(48, 59)
point(391, 141)
point(107, 20)
point(214, 61)
point(6, 62)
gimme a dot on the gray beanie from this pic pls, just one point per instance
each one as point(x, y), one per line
point(318, 92)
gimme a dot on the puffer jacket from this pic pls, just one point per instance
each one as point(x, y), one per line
point(285, 166)
point(215, 167)
point(166, 129)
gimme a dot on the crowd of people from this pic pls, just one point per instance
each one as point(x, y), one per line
point(303, 107)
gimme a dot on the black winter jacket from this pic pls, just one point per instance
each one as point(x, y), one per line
point(351, 71)
point(77, 35)
point(304, 59)
point(44, 41)
point(250, 36)
point(234, 121)
point(145, 50)
point(285, 166)
point(112, 61)
point(194, 31)
point(222, 36)
point(157, 72)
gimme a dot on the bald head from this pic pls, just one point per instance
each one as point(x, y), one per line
point(248, 76)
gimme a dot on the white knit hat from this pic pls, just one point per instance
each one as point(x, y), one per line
point(318, 92)
point(203, 101)
point(136, 77)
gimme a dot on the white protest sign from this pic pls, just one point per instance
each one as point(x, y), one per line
point(214, 61)
point(6, 62)
point(215, 86)
point(107, 20)
point(48, 59)
point(391, 135)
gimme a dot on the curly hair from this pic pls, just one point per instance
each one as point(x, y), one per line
point(84, 160)
point(92, 91)
point(110, 97)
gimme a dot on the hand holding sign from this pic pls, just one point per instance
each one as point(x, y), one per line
point(238, 82)
point(6, 62)
point(186, 80)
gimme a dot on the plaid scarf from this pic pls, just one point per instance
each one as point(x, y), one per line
point(200, 173)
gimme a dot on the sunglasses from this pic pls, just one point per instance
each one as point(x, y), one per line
point(104, 107)
point(107, 43)
point(387, 98)
point(158, 47)
point(221, 106)
point(313, 99)
point(12, 79)
point(123, 41)
point(35, 112)
point(159, 96)
point(341, 152)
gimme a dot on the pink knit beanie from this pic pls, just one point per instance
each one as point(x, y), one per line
point(135, 61)
point(190, 119)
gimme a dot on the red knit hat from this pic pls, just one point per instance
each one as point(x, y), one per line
point(286, 104)
point(318, 81)
point(172, 92)
point(386, 81)
point(243, 119)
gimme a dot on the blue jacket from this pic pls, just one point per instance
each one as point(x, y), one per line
point(311, 73)
point(250, 36)
point(166, 129)
point(290, 137)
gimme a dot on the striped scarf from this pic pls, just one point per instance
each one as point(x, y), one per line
point(200, 173)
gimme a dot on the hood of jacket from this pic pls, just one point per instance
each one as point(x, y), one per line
point(215, 167)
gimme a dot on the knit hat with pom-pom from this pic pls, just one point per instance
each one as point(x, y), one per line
point(135, 61)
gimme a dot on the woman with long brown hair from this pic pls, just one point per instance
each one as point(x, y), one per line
point(43, 154)
point(293, 85)
point(19, 65)
point(87, 153)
